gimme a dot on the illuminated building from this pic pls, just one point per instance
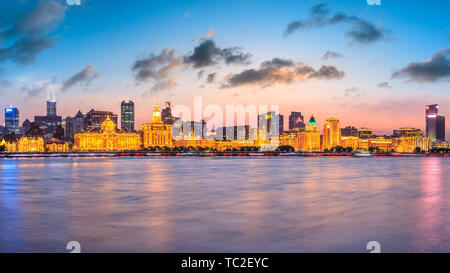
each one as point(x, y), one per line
point(365, 133)
point(11, 121)
point(407, 132)
point(350, 142)
point(435, 123)
point(94, 119)
point(381, 143)
point(57, 146)
point(235, 144)
point(409, 144)
point(303, 141)
point(30, 144)
point(363, 143)
point(195, 142)
point(156, 133)
point(242, 132)
point(107, 139)
point(441, 145)
point(296, 121)
point(331, 133)
point(127, 116)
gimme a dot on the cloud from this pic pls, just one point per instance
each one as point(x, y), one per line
point(354, 92)
point(331, 54)
point(431, 70)
point(209, 34)
point(208, 54)
point(211, 78)
point(361, 31)
point(28, 35)
point(384, 85)
point(280, 71)
point(85, 76)
point(38, 89)
point(158, 68)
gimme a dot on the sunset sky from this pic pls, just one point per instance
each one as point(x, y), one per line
point(372, 66)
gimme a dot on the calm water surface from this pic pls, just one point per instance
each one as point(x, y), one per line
point(225, 204)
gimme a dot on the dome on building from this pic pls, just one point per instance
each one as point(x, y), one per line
point(312, 120)
point(156, 114)
point(108, 126)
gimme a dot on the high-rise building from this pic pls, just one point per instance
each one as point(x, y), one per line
point(25, 126)
point(11, 121)
point(51, 108)
point(270, 125)
point(166, 114)
point(94, 119)
point(127, 116)
point(435, 123)
point(74, 125)
point(331, 133)
point(296, 121)
point(50, 121)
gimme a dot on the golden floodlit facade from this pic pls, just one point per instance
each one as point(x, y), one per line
point(25, 145)
point(107, 139)
point(307, 141)
point(156, 133)
point(331, 133)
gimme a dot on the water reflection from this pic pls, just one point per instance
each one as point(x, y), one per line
point(224, 204)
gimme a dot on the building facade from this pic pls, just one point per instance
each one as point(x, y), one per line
point(127, 116)
point(156, 133)
point(107, 139)
point(331, 133)
point(93, 119)
point(296, 121)
point(50, 121)
point(434, 122)
point(11, 121)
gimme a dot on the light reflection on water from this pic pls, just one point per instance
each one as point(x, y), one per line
point(225, 204)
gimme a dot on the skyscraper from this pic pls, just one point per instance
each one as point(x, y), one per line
point(166, 114)
point(331, 133)
point(435, 123)
point(11, 120)
point(127, 116)
point(93, 119)
point(74, 125)
point(50, 121)
point(270, 124)
point(296, 121)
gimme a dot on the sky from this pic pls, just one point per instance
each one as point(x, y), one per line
point(373, 66)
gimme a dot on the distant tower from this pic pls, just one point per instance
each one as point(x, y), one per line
point(296, 121)
point(12, 120)
point(435, 123)
point(127, 116)
point(331, 133)
point(51, 103)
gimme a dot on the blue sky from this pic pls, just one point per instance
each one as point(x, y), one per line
point(110, 36)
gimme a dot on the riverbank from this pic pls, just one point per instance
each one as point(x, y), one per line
point(208, 154)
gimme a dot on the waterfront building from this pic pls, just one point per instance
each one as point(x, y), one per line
point(94, 119)
point(183, 129)
point(381, 143)
point(435, 123)
point(195, 142)
point(408, 132)
point(303, 141)
point(331, 133)
point(156, 133)
point(409, 144)
point(107, 139)
point(440, 144)
point(350, 142)
point(242, 132)
point(55, 145)
point(127, 116)
point(365, 133)
point(296, 121)
point(30, 144)
point(11, 121)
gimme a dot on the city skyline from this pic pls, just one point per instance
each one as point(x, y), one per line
point(377, 81)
